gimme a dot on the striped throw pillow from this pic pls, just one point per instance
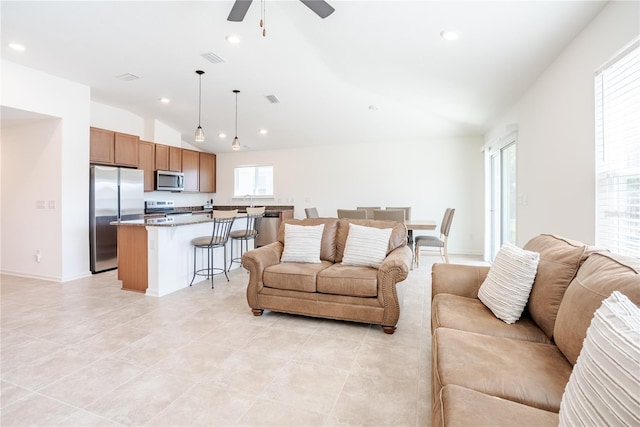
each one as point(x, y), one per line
point(506, 289)
point(366, 246)
point(604, 386)
point(302, 243)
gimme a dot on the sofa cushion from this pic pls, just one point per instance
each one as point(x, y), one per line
point(470, 314)
point(459, 406)
point(366, 246)
point(349, 280)
point(560, 259)
point(605, 383)
point(397, 239)
point(293, 276)
point(599, 276)
point(328, 246)
point(302, 243)
point(526, 372)
point(507, 286)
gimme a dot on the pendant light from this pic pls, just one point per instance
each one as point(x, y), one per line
point(199, 136)
point(236, 144)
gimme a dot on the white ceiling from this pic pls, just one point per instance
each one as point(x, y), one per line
point(326, 72)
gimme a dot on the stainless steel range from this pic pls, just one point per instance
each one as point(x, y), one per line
point(159, 207)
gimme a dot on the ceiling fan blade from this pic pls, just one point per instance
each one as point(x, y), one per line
point(320, 7)
point(239, 10)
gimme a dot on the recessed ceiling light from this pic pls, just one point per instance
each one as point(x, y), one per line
point(263, 131)
point(450, 35)
point(222, 135)
point(165, 100)
point(16, 46)
point(233, 39)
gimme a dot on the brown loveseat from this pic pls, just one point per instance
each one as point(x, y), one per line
point(330, 289)
point(487, 372)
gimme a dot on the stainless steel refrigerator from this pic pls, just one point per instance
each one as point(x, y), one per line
point(114, 194)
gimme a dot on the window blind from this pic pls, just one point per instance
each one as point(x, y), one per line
point(617, 120)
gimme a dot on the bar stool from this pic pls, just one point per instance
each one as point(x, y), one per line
point(250, 232)
point(222, 222)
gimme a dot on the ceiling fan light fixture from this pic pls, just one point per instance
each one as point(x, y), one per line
point(199, 135)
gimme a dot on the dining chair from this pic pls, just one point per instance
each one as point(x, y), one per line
point(222, 223)
point(352, 213)
point(369, 210)
point(389, 214)
point(434, 242)
point(311, 212)
point(250, 232)
point(407, 211)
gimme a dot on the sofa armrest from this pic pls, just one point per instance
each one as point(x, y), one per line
point(394, 269)
point(255, 261)
point(457, 279)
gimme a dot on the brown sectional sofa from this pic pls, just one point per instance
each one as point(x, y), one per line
point(330, 289)
point(487, 372)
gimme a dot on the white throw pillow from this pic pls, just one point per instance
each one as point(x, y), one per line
point(302, 243)
point(506, 289)
point(366, 246)
point(604, 387)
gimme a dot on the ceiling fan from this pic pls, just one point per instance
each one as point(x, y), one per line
point(240, 8)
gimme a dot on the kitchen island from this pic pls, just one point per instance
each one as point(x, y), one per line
point(155, 255)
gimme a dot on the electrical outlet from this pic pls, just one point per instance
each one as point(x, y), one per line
point(38, 256)
point(51, 204)
point(39, 204)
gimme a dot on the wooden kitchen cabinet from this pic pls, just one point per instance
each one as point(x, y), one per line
point(191, 169)
point(162, 157)
point(113, 148)
point(175, 159)
point(147, 162)
point(207, 173)
point(168, 158)
point(126, 149)
point(101, 146)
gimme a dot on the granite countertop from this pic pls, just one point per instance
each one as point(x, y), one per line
point(241, 208)
point(169, 221)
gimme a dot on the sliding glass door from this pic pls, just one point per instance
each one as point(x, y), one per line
point(501, 197)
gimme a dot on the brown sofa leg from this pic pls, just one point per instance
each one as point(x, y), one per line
point(389, 329)
point(257, 311)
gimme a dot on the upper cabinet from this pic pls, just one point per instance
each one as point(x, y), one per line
point(147, 162)
point(101, 146)
point(113, 148)
point(162, 157)
point(207, 173)
point(126, 149)
point(168, 158)
point(191, 169)
point(175, 159)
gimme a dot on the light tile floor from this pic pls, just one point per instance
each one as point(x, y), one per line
point(86, 353)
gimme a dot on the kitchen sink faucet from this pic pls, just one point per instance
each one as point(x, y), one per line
point(244, 199)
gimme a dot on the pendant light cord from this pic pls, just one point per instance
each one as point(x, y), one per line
point(199, 98)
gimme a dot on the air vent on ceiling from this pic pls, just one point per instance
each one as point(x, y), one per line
point(212, 57)
point(273, 99)
point(127, 77)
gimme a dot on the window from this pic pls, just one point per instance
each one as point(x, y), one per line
point(617, 92)
point(254, 181)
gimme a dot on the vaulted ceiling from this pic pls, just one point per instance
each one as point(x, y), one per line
point(373, 71)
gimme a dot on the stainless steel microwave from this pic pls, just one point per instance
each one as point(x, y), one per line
point(169, 181)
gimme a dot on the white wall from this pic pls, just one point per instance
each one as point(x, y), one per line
point(428, 176)
point(556, 144)
point(59, 150)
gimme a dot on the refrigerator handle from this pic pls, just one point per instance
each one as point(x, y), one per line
point(119, 213)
